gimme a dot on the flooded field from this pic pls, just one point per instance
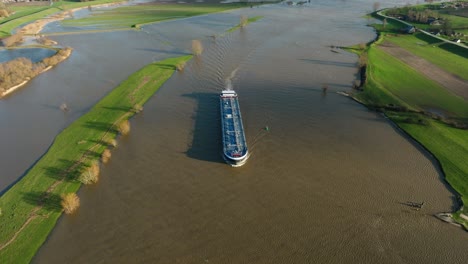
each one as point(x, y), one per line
point(327, 183)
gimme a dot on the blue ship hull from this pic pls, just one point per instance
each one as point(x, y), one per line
point(235, 150)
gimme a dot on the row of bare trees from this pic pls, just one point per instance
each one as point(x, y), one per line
point(19, 70)
point(70, 201)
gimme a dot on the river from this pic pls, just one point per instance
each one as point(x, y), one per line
point(326, 184)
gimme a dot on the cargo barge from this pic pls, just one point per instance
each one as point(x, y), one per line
point(235, 150)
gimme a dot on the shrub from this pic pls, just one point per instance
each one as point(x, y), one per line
point(106, 155)
point(197, 47)
point(4, 13)
point(12, 40)
point(363, 60)
point(112, 143)
point(70, 202)
point(243, 21)
point(90, 175)
point(137, 108)
point(46, 41)
point(124, 127)
point(180, 66)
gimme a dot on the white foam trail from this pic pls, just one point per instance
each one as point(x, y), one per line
point(228, 82)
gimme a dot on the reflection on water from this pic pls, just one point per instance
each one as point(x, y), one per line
point(326, 184)
point(34, 54)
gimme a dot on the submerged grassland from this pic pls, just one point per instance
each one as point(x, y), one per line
point(137, 15)
point(424, 109)
point(31, 207)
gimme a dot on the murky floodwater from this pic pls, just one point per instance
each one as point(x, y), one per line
point(325, 184)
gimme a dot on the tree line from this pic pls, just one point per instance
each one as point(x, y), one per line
point(19, 70)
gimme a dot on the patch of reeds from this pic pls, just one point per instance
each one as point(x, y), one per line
point(90, 175)
point(70, 202)
point(124, 127)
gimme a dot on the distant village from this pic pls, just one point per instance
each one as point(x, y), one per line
point(431, 17)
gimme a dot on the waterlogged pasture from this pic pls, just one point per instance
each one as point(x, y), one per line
point(133, 16)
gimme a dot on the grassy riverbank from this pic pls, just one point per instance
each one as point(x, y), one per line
point(421, 107)
point(32, 206)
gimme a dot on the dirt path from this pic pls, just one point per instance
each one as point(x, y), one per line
point(448, 80)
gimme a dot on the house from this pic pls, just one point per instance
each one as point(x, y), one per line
point(409, 30)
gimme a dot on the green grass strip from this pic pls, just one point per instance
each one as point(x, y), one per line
point(73, 150)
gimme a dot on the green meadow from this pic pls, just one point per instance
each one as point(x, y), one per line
point(399, 84)
point(445, 56)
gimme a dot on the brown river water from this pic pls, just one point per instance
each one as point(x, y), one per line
point(326, 184)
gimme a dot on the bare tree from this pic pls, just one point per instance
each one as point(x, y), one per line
point(376, 6)
point(384, 23)
point(197, 47)
point(243, 21)
point(70, 202)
